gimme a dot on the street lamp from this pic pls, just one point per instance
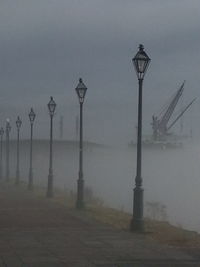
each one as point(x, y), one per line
point(18, 124)
point(1, 150)
point(81, 91)
point(30, 180)
point(141, 62)
point(51, 106)
point(8, 129)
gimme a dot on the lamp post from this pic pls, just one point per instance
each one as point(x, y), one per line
point(81, 91)
point(141, 62)
point(51, 106)
point(18, 124)
point(1, 150)
point(30, 180)
point(8, 129)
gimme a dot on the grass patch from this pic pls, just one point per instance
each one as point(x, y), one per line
point(117, 219)
point(161, 231)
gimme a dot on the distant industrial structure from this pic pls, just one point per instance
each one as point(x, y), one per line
point(160, 123)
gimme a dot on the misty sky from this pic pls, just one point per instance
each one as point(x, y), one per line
point(46, 45)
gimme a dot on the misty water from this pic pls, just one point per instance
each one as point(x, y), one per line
point(170, 176)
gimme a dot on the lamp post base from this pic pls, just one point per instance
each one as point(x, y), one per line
point(49, 193)
point(17, 179)
point(137, 222)
point(80, 205)
point(30, 186)
point(137, 225)
point(30, 180)
point(79, 202)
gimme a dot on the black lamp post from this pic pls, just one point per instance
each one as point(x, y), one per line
point(51, 106)
point(18, 124)
point(8, 129)
point(30, 180)
point(81, 91)
point(1, 151)
point(141, 62)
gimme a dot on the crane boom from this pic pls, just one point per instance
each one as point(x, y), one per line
point(181, 114)
point(162, 122)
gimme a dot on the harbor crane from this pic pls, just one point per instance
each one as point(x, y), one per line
point(160, 123)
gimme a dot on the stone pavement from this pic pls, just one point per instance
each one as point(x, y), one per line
point(38, 232)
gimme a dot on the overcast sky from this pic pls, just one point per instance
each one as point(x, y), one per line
point(46, 45)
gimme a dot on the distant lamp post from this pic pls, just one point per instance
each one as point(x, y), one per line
point(18, 124)
point(8, 129)
point(30, 180)
point(141, 62)
point(51, 106)
point(81, 91)
point(1, 153)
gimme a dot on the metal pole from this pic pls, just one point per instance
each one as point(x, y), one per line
point(30, 180)
point(137, 223)
point(7, 156)
point(80, 182)
point(17, 168)
point(1, 153)
point(50, 176)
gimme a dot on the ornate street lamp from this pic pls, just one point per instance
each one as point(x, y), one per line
point(51, 106)
point(1, 151)
point(8, 129)
point(30, 180)
point(81, 91)
point(141, 62)
point(18, 124)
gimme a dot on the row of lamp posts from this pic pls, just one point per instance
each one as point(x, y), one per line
point(81, 91)
point(141, 62)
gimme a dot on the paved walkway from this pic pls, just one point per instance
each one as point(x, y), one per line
point(37, 232)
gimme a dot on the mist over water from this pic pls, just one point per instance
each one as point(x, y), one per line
point(170, 176)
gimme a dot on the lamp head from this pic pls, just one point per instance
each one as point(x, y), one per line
point(81, 90)
point(31, 116)
point(51, 106)
point(141, 62)
point(18, 123)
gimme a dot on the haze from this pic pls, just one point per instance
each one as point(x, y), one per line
point(46, 45)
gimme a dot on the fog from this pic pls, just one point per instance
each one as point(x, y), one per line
point(47, 45)
point(170, 176)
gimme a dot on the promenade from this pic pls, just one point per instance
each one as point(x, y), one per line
point(39, 232)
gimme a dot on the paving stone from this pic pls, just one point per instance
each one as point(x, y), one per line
point(36, 232)
point(44, 264)
point(12, 261)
